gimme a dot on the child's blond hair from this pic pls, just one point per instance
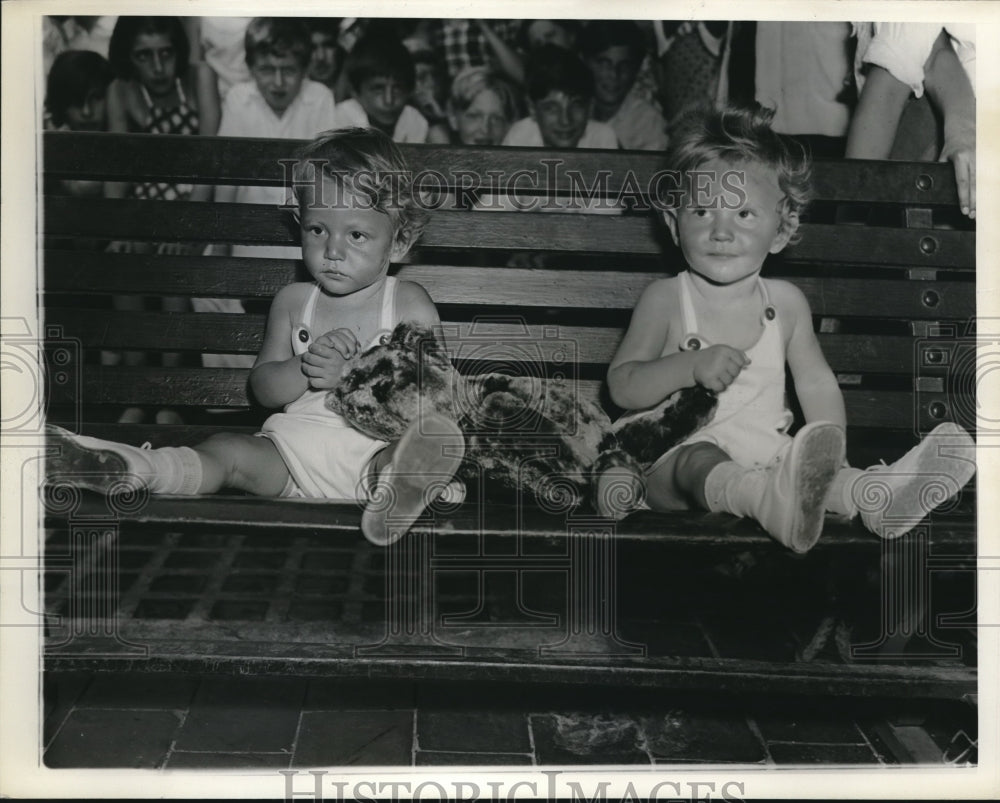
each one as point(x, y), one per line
point(738, 135)
point(370, 164)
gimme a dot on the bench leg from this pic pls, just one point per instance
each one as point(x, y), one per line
point(906, 610)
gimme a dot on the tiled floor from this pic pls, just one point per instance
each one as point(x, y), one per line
point(150, 720)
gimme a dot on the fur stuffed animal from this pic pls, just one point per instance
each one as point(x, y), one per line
point(522, 433)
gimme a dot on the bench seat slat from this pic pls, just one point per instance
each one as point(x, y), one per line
point(641, 235)
point(90, 273)
point(244, 334)
point(239, 513)
point(258, 161)
point(227, 387)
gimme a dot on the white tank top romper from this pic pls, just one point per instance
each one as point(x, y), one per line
point(326, 457)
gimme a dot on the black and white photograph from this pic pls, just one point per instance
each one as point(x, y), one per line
point(548, 278)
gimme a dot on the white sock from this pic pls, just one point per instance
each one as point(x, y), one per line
point(842, 498)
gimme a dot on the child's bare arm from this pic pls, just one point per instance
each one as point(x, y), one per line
point(277, 377)
point(415, 305)
point(815, 385)
point(640, 377)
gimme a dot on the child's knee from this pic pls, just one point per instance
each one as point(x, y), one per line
point(697, 459)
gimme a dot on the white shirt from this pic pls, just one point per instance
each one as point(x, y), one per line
point(801, 70)
point(526, 134)
point(638, 125)
point(222, 41)
point(410, 127)
point(902, 48)
point(245, 113)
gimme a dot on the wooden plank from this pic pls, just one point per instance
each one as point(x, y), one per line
point(642, 235)
point(90, 273)
point(244, 334)
point(341, 518)
point(258, 161)
point(227, 387)
point(284, 655)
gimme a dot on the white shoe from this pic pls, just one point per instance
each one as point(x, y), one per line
point(422, 468)
point(786, 498)
point(90, 463)
point(893, 499)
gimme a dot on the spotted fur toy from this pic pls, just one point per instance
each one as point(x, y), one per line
point(523, 434)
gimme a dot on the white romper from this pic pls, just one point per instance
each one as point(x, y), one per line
point(751, 422)
point(326, 457)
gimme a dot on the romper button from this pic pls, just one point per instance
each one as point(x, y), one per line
point(694, 344)
point(303, 336)
point(769, 313)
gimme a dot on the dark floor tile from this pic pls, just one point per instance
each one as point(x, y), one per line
point(113, 738)
point(203, 540)
point(250, 610)
point(826, 727)
point(307, 610)
point(359, 738)
point(139, 690)
point(243, 715)
point(683, 735)
point(822, 754)
point(224, 761)
point(164, 608)
point(351, 695)
point(190, 559)
point(260, 560)
point(61, 691)
point(587, 739)
point(426, 758)
point(182, 583)
point(320, 561)
point(473, 731)
point(320, 584)
point(133, 558)
point(250, 583)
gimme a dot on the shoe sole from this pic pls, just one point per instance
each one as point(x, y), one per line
point(818, 451)
point(418, 465)
point(82, 466)
point(927, 472)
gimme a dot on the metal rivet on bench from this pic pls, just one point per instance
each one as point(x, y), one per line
point(925, 182)
point(693, 344)
point(928, 245)
point(303, 335)
point(938, 409)
point(930, 298)
point(769, 313)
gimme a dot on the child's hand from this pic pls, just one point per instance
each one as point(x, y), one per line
point(717, 366)
point(960, 149)
point(324, 361)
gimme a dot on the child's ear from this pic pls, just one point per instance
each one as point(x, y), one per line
point(401, 245)
point(670, 218)
point(789, 225)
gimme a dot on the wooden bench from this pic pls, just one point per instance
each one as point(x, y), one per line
point(893, 301)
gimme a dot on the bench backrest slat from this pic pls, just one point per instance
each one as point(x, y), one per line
point(231, 160)
point(470, 231)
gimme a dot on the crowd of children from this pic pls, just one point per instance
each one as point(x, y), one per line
point(351, 87)
point(539, 83)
